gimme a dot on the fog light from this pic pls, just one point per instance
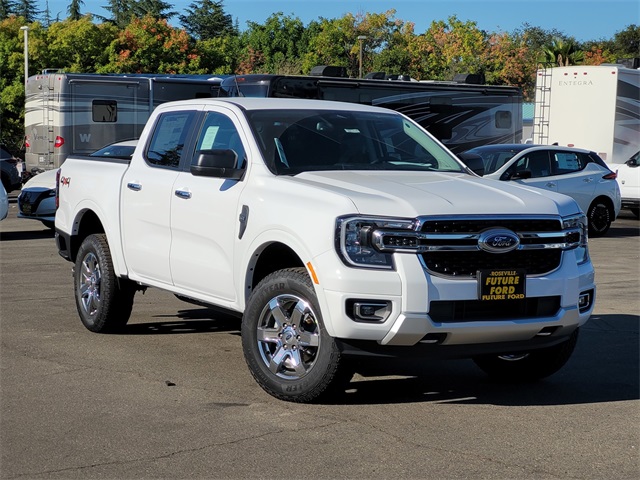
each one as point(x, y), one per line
point(585, 300)
point(368, 310)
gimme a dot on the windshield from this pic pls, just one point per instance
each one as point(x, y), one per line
point(295, 141)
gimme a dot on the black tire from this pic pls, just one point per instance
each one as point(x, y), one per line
point(600, 216)
point(49, 224)
point(286, 347)
point(636, 211)
point(531, 366)
point(104, 301)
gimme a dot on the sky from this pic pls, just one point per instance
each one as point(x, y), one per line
point(582, 19)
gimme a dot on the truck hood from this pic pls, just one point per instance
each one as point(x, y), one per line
point(410, 194)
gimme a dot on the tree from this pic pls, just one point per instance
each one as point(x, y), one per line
point(79, 45)
point(74, 9)
point(560, 52)
point(27, 10)
point(7, 7)
point(626, 43)
point(150, 45)
point(206, 19)
point(274, 47)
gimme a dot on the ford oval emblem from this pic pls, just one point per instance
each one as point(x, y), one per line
point(498, 240)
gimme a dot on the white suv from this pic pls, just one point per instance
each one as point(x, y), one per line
point(629, 181)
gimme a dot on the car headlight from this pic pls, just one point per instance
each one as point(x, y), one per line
point(358, 240)
point(578, 226)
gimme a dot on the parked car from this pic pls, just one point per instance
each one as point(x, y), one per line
point(11, 170)
point(4, 203)
point(581, 174)
point(37, 199)
point(629, 181)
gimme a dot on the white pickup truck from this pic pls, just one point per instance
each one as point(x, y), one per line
point(335, 229)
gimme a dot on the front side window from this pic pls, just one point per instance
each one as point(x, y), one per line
point(167, 143)
point(219, 133)
point(535, 162)
point(295, 141)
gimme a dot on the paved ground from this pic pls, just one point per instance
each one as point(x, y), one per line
point(172, 397)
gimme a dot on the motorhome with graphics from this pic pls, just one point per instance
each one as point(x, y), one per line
point(72, 113)
point(462, 114)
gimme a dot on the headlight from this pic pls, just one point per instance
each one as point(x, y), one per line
point(356, 240)
point(578, 223)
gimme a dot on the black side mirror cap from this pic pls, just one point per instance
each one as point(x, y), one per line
point(221, 163)
point(521, 175)
point(474, 162)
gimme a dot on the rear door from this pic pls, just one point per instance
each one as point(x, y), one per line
point(147, 193)
point(577, 176)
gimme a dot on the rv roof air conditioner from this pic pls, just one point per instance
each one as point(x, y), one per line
point(329, 71)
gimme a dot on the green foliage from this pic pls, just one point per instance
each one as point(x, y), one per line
point(206, 19)
point(138, 38)
point(149, 45)
point(79, 45)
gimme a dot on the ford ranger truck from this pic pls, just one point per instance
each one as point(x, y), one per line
point(334, 230)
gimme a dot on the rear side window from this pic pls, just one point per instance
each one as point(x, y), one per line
point(169, 136)
point(568, 162)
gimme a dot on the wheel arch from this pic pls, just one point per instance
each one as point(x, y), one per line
point(268, 258)
point(86, 223)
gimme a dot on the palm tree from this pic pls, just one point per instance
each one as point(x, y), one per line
point(561, 52)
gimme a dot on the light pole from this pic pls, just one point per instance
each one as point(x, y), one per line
point(361, 38)
point(25, 29)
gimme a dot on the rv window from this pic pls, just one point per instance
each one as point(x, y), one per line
point(105, 111)
point(503, 119)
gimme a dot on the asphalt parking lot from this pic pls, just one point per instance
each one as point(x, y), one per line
point(171, 397)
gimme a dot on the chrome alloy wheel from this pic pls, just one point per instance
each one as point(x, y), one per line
point(90, 278)
point(288, 336)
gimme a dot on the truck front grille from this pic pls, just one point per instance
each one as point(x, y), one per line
point(449, 247)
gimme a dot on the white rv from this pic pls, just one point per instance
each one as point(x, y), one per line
point(591, 107)
point(68, 113)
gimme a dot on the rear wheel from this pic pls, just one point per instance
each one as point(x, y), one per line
point(636, 212)
point(529, 366)
point(286, 347)
point(600, 216)
point(103, 300)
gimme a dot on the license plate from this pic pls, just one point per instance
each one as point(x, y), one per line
point(26, 208)
point(501, 284)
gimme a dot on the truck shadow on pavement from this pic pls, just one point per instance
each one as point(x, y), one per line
point(603, 368)
point(27, 234)
point(197, 320)
point(623, 232)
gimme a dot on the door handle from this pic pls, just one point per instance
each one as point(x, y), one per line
point(587, 180)
point(183, 194)
point(551, 184)
point(134, 186)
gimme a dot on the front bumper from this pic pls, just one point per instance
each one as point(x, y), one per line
point(410, 290)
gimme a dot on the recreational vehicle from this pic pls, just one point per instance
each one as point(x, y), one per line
point(461, 115)
point(69, 113)
point(592, 107)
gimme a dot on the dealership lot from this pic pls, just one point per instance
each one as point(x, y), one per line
point(172, 397)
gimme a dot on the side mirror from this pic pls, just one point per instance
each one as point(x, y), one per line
point(217, 163)
point(521, 175)
point(474, 162)
point(632, 162)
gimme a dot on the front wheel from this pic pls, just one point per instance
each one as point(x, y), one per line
point(285, 344)
point(600, 217)
point(534, 365)
point(104, 301)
